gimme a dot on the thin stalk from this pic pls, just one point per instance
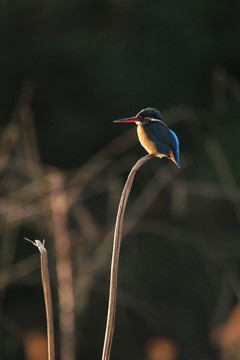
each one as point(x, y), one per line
point(115, 258)
point(47, 296)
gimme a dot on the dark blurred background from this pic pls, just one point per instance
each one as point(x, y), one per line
point(68, 69)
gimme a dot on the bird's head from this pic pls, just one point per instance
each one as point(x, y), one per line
point(148, 114)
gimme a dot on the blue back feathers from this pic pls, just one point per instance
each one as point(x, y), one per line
point(175, 147)
point(163, 138)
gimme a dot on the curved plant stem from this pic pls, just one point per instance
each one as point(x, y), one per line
point(115, 258)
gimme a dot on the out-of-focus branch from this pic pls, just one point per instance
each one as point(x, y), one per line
point(7, 252)
point(58, 199)
point(17, 271)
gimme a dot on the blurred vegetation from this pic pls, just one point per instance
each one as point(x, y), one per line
point(68, 69)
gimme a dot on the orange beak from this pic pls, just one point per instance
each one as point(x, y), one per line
point(127, 120)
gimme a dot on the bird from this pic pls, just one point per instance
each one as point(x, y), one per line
point(154, 135)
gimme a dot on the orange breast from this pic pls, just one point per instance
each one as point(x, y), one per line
point(146, 143)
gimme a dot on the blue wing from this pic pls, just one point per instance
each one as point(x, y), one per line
point(163, 138)
point(175, 146)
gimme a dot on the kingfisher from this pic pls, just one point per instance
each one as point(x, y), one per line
point(154, 135)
